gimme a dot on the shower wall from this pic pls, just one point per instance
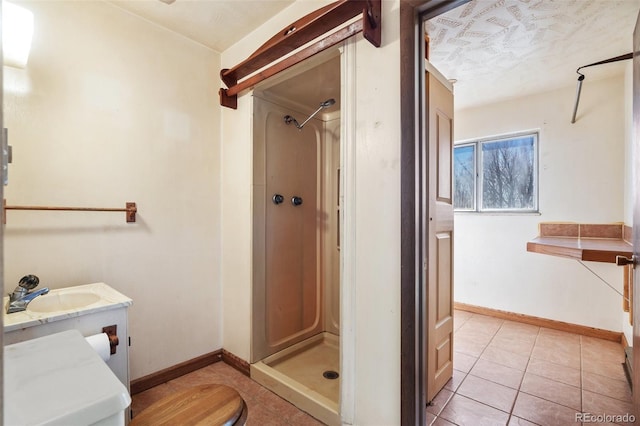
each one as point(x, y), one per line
point(295, 266)
point(331, 233)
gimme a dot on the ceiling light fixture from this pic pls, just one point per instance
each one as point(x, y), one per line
point(17, 32)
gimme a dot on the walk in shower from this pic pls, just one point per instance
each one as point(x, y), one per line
point(296, 252)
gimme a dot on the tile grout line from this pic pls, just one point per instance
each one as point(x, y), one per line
point(469, 373)
point(466, 374)
point(453, 392)
point(581, 379)
point(513, 406)
point(582, 342)
point(518, 391)
point(579, 387)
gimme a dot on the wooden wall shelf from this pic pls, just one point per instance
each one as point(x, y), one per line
point(591, 242)
point(590, 249)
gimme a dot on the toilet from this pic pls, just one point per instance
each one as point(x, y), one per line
point(210, 405)
point(59, 379)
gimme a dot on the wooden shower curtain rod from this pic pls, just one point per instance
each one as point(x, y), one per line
point(130, 210)
point(298, 34)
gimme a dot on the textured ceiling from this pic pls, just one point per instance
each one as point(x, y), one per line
point(500, 49)
point(217, 24)
point(495, 49)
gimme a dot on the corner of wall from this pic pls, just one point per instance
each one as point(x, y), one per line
point(629, 149)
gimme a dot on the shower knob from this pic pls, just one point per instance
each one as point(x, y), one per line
point(296, 201)
point(277, 199)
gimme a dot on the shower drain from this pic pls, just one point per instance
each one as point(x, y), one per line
point(330, 374)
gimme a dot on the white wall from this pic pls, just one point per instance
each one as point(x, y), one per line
point(112, 109)
point(581, 180)
point(629, 161)
point(375, 317)
point(629, 150)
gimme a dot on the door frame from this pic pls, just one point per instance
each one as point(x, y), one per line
point(412, 87)
point(412, 279)
point(635, 172)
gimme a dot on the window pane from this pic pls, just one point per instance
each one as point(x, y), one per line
point(464, 196)
point(508, 174)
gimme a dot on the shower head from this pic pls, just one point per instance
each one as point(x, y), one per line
point(326, 104)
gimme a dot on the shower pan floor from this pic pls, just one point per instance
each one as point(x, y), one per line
point(308, 365)
point(297, 375)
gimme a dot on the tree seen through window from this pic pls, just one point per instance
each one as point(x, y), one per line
point(506, 176)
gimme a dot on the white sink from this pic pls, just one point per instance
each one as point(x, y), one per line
point(54, 302)
point(86, 308)
point(63, 303)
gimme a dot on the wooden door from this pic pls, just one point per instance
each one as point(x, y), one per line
point(439, 262)
point(636, 219)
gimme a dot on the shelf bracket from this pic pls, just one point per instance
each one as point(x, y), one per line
point(321, 22)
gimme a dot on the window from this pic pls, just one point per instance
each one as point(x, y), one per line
point(499, 174)
point(464, 177)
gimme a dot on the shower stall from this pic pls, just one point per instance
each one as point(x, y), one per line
point(296, 241)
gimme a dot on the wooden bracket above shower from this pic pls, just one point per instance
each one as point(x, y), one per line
point(296, 35)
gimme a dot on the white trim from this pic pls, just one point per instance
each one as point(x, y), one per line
point(431, 69)
point(348, 226)
point(504, 135)
point(478, 159)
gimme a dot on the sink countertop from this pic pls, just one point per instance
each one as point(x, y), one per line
point(108, 299)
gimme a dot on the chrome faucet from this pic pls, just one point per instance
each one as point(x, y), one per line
point(22, 295)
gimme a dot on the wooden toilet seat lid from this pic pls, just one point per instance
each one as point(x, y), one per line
point(212, 404)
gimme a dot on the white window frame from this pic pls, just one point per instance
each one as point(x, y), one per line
point(475, 175)
point(479, 168)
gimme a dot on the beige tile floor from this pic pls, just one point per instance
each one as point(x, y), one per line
point(508, 373)
point(505, 373)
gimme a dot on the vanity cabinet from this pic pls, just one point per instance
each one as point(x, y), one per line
point(110, 308)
